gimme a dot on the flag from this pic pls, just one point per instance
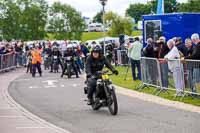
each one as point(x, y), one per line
point(160, 7)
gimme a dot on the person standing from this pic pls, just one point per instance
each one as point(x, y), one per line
point(161, 50)
point(175, 66)
point(135, 52)
point(36, 60)
point(149, 49)
point(195, 56)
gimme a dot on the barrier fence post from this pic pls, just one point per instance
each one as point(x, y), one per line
point(1, 62)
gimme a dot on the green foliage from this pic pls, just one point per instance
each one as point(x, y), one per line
point(137, 10)
point(23, 19)
point(98, 17)
point(119, 25)
point(170, 5)
point(65, 22)
point(27, 20)
point(191, 6)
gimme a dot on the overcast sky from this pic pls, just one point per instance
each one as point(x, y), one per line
point(89, 8)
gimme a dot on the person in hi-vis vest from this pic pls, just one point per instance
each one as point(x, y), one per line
point(36, 60)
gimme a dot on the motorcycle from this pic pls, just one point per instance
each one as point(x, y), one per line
point(105, 95)
point(68, 66)
point(55, 64)
point(46, 62)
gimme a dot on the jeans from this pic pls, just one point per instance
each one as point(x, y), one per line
point(19, 59)
point(92, 83)
point(136, 64)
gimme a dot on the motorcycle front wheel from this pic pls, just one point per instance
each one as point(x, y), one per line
point(112, 103)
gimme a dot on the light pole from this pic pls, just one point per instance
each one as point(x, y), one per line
point(103, 3)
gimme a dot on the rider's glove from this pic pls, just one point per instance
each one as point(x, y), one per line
point(115, 72)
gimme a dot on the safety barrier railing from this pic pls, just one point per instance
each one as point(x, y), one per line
point(122, 57)
point(7, 62)
point(183, 77)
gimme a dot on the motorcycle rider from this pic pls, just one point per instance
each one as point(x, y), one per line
point(56, 52)
point(94, 63)
point(70, 53)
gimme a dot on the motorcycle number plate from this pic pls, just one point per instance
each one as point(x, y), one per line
point(104, 77)
point(55, 57)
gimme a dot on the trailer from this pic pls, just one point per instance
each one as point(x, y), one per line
point(170, 25)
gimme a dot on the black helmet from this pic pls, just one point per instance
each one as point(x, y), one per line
point(97, 49)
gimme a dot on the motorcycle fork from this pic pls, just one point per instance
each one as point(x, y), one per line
point(106, 90)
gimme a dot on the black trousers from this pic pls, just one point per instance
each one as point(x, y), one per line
point(92, 83)
point(38, 67)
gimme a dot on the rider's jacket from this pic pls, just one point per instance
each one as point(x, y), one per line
point(70, 53)
point(56, 53)
point(93, 65)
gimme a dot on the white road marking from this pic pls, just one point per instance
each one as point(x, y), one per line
point(7, 116)
point(50, 82)
point(32, 128)
point(7, 108)
point(19, 80)
point(74, 85)
point(52, 86)
point(34, 87)
point(62, 85)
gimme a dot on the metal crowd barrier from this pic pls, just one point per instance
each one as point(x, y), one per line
point(7, 62)
point(183, 77)
point(122, 57)
point(192, 76)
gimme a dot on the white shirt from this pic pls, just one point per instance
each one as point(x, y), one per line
point(171, 56)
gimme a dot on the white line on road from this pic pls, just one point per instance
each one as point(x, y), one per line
point(62, 85)
point(7, 108)
point(7, 116)
point(32, 128)
point(34, 87)
point(53, 86)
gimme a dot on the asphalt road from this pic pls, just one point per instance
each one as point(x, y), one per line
point(61, 102)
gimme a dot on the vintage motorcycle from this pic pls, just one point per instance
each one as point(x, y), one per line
point(104, 95)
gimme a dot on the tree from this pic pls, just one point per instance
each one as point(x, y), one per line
point(23, 19)
point(33, 19)
point(170, 5)
point(9, 21)
point(137, 10)
point(190, 6)
point(98, 17)
point(65, 22)
point(119, 25)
